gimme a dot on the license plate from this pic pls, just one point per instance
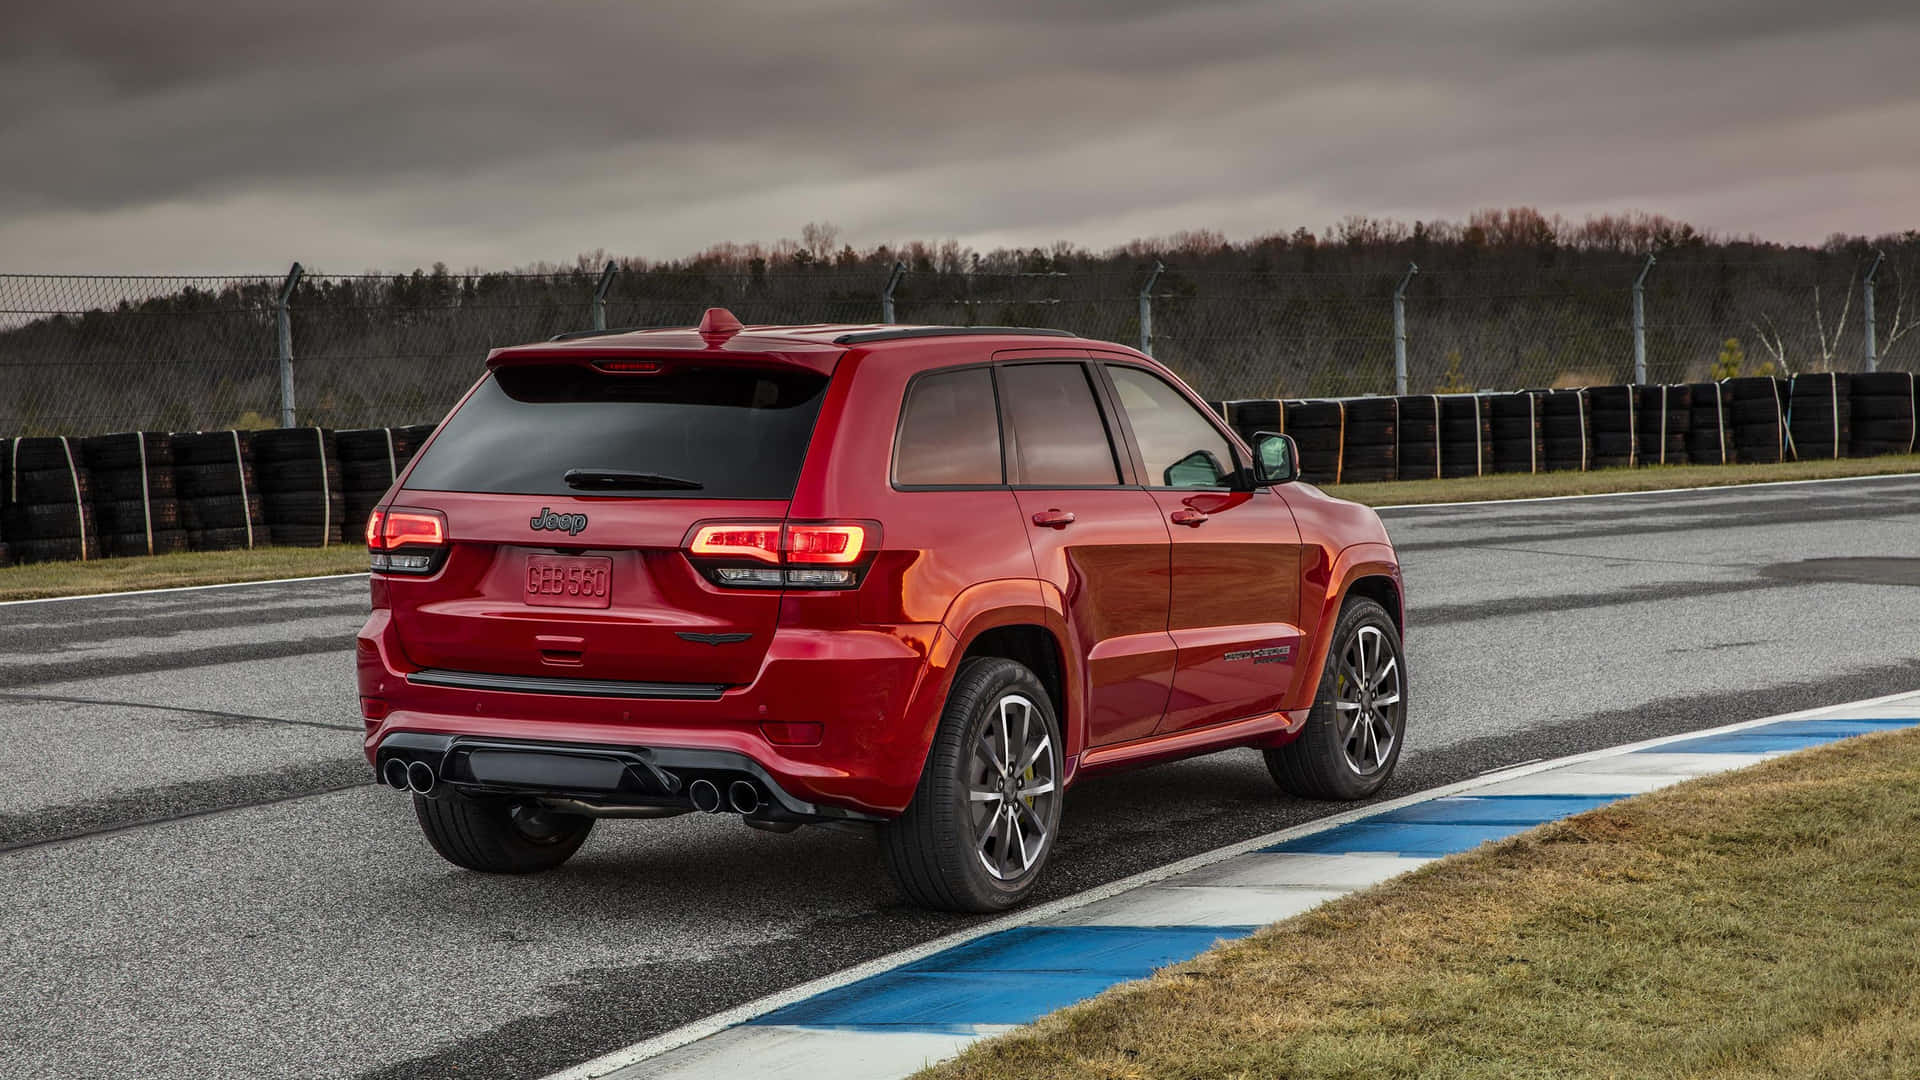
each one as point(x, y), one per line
point(569, 580)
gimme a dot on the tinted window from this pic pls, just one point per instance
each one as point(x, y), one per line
point(1059, 438)
point(739, 433)
point(949, 431)
point(1177, 445)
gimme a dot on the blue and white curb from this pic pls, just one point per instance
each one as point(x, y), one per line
point(889, 1017)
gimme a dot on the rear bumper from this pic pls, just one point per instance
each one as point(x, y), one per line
point(605, 776)
point(868, 689)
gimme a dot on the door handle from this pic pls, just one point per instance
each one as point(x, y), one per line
point(1053, 519)
point(1191, 518)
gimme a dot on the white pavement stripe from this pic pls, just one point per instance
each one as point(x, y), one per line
point(792, 1053)
point(1730, 488)
point(181, 588)
point(1199, 905)
point(725, 1046)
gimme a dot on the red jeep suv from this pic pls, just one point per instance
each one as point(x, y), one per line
point(921, 578)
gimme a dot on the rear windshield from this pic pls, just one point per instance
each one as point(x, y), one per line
point(738, 433)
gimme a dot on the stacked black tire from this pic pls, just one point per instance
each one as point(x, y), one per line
point(300, 483)
point(1466, 435)
point(6, 470)
point(1885, 416)
point(1248, 417)
point(1564, 428)
point(1709, 424)
point(220, 504)
point(1613, 426)
point(1820, 415)
point(369, 460)
point(49, 511)
point(1665, 416)
point(133, 493)
point(1419, 436)
point(1758, 404)
point(1516, 432)
point(1371, 451)
point(1316, 428)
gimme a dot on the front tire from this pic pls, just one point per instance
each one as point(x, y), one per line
point(1359, 719)
point(983, 820)
point(499, 836)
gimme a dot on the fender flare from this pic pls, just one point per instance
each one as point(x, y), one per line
point(974, 611)
point(1369, 559)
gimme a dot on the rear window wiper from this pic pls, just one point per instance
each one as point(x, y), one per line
point(624, 480)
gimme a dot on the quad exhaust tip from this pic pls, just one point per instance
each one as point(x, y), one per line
point(420, 778)
point(394, 773)
point(743, 796)
point(705, 796)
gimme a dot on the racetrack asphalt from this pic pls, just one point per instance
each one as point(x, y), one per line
point(202, 881)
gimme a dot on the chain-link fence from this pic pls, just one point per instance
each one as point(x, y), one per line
point(80, 355)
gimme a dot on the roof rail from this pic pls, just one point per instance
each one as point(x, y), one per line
point(862, 337)
point(573, 335)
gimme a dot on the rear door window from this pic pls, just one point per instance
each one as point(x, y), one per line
point(737, 433)
point(949, 432)
point(1058, 437)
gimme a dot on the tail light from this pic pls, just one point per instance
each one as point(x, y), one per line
point(401, 540)
point(773, 554)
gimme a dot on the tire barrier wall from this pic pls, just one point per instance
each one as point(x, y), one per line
point(132, 493)
point(134, 503)
point(1749, 420)
point(150, 492)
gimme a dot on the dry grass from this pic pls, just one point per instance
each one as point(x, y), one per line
point(36, 580)
point(1764, 923)
point(1649, 478)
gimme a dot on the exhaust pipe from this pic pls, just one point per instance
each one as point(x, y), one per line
point(395, 774)
point(705, 796)
point(743, 797)
point(420, 778)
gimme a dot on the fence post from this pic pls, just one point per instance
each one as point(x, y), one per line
point(600, 295)
point(1400, 330)
point(886, 294)
point(1146, 308)
point(1866, 307)
point(286, 345)
point(1640, 322)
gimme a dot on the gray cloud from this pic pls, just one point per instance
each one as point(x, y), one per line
point(222, 135)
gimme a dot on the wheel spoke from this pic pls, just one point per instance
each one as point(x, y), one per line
point(976, 795)
point(1039, 747)
point(1044, 787)
point(1019, 837)
point(984, 747)
point(1386, 669)
point(1391, 699)
point(1346, 706)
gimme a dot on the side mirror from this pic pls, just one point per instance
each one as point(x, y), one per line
point(1276, 460)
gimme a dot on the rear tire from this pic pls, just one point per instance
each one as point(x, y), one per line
point(499, 836)
point(1352, 738)
point(976, 836)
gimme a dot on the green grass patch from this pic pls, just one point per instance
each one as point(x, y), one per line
point(1762, 923)
point(37, 580)
point(1602, 481)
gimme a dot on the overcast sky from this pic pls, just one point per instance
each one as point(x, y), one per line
point(238, 135)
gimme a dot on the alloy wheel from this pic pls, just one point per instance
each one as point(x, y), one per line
point(1368, 701)
point(1013, 788)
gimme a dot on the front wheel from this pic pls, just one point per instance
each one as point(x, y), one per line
point(499, 836)
point(983, 820)
point(1353, 735)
